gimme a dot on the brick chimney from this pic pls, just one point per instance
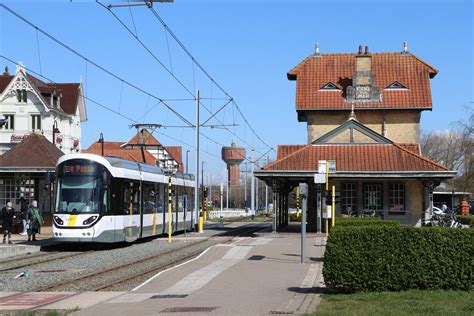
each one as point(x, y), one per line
point(363, 67)
point(5, 72)
point(363, 83)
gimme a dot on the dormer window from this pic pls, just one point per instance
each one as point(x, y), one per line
point(56, 101)
point(329, 87)
point(21, 95)
point(396, 86)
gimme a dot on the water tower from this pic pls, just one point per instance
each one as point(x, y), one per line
point(233, 157)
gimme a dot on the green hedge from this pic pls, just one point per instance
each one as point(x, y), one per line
point(466, 220)
point(364, 221)
point(390, 258)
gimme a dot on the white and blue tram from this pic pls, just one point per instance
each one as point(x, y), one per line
point(107, 199)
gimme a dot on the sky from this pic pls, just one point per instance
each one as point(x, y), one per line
point(246, 46)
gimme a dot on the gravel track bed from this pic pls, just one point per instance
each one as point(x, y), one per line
point(50, 273)
point(34, 260)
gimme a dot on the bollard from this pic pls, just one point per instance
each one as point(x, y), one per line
point(200, 223)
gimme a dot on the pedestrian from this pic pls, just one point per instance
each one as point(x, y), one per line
point(34, 220)
point(24, 213)
point(8, 216)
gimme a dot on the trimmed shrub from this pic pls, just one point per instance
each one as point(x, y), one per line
point(364, 221)
point(466, 220)
point(391, 258)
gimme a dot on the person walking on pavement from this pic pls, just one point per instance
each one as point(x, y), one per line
point(34, 220)
point(24, 213)
point(8, 215)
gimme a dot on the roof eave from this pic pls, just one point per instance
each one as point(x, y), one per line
point(357, 174)
point(301, 110)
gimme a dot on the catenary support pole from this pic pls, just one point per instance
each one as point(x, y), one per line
point(252, 189)
point(196, 186)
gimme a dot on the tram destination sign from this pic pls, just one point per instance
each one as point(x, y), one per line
point(81, 169)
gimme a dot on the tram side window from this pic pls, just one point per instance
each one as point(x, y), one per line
point(116, 196)
point(189, 199)
point(105, 202)
point(149, 198)
point(160, 198)
point(131, 197)
point(174, 199)
point(179, 191)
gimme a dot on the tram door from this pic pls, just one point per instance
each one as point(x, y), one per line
point(132, 216)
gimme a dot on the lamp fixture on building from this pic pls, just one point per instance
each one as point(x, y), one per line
point(55, 131)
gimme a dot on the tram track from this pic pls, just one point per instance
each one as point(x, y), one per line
point(32, 261)
point(128, 275)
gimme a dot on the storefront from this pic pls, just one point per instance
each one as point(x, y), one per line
point(25, 171)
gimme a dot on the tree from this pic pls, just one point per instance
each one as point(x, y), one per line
point(454, 149)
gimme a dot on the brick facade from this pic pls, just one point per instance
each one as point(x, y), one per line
point(402, 126)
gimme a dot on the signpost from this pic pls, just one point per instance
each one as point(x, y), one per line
point(325, 167)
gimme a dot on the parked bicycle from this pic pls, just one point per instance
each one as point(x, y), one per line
point(444, 219)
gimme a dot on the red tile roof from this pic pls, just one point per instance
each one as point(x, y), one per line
point(285, 150)
point(70, 91)
point(411, 147)
point(379, 157)
point(35, 151)
point(314, 72)
point(177, 153)
point(145, 138)
point(107, 145)
point(127, 154)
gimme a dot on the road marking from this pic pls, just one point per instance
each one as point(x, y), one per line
point(267, 240)
point(203, 276)
point(174, 267)
point(310, 276)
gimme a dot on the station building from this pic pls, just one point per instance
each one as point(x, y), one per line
point(363, 111)
point(40, 122)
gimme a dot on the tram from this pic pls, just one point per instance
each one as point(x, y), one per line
point(107, 199)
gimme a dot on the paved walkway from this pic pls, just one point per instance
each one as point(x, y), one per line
point(21, 245)
point(251, 276)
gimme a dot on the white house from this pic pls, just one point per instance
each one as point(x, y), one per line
point(28, 104)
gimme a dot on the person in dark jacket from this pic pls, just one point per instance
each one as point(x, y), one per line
point(34, 220)
point(8, 215)
point(24, 213)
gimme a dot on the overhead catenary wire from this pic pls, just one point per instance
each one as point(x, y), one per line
point(108, 108)
point(88, 60)
point(194, 61)
point(168, 70)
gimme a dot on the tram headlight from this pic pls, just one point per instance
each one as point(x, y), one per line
point(58, 220)
point(89, 220)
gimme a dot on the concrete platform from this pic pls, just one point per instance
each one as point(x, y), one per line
point(251, 276)
point(21, 246)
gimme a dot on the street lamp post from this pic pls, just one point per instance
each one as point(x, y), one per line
point(101, 141)
point(55, 131)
